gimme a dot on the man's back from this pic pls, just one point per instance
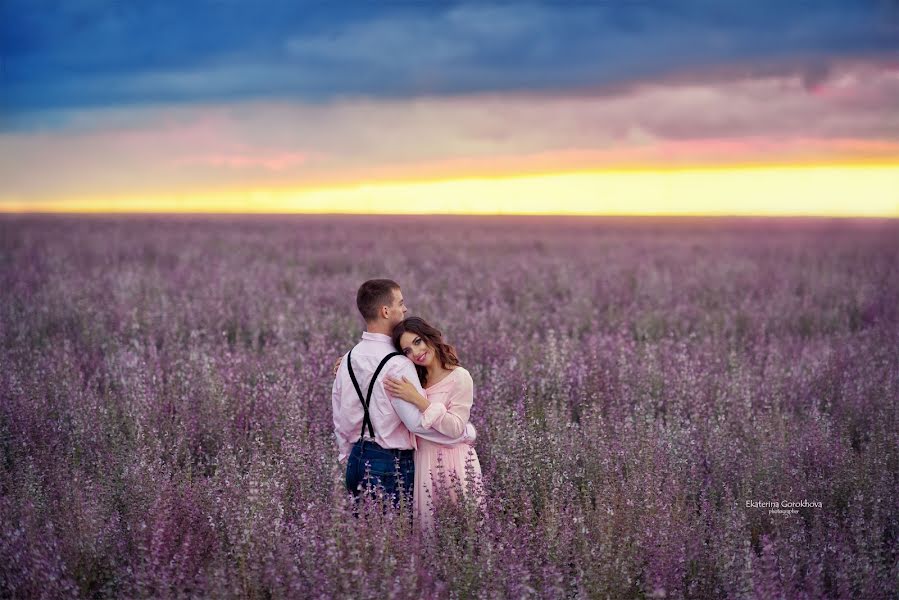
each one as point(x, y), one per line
point(390, 432)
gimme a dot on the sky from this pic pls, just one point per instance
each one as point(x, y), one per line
point(572, 107)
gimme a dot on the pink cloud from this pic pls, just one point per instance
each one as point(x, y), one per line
point(657, 154)
point(272, 162)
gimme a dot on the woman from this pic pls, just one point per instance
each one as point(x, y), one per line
point(445, 407)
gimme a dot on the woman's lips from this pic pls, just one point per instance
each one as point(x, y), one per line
point(421, 357)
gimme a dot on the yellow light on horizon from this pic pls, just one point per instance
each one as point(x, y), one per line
point(828, 190)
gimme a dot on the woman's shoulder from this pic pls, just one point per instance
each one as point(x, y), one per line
point(461, 374)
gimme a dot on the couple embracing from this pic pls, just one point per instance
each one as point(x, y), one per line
point(400, 395)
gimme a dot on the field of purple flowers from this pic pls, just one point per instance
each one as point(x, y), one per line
point(645, 390)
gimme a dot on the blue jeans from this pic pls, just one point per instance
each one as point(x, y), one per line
point(380, 464)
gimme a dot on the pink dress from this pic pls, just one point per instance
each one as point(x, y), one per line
point(451, 400)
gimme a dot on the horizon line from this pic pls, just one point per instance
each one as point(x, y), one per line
point(523, 215)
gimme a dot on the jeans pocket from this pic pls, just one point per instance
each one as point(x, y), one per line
point(354, 474)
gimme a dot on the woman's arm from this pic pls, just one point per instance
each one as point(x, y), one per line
point(411, 416)
point(405, 390)
point(451, 419)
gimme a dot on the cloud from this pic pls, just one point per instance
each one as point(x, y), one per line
point(109, 53)
point(850, 115)
point(384, 44)
point(270, 161)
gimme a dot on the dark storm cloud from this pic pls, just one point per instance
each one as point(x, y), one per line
point(60, 56)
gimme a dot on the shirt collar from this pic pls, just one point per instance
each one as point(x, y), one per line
point(377, 337)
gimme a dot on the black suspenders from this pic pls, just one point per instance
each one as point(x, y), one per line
point(366, 420)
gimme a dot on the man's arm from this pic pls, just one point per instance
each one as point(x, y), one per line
point(411, 416)
point(343, 443)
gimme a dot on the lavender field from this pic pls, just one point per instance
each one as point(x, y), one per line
point(645, 391)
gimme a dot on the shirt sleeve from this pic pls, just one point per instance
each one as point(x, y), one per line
point(412, 417)
point(343, 441)
point(450, 419)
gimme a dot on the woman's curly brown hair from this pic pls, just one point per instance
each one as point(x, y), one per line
point(431, 336)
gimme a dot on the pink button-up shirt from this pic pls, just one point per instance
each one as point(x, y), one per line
point(395, 421)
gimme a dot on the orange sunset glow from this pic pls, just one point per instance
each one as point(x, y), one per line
point(826, 190)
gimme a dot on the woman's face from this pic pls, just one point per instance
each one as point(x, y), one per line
point(417, 349)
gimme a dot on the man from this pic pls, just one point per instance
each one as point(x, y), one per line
point(372, 438)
